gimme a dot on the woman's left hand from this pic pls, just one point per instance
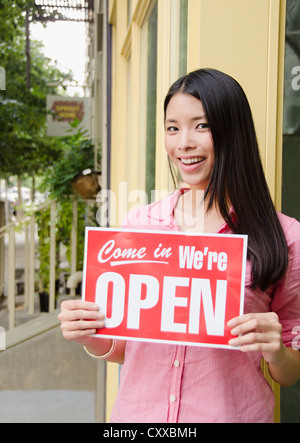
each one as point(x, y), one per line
point(259, 332)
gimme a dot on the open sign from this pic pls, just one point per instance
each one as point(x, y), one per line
point(165, 286)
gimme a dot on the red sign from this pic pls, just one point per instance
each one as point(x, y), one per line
point(165, 286)
point(64, 110)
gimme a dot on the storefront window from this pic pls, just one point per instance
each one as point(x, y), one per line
point(183, 37)
point(129, 12)
point(291, 125)
point(151, 102)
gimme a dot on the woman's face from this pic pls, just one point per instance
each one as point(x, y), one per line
point(188, 140)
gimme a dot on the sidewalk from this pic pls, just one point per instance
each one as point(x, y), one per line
point(60, 397)
point(52, 406)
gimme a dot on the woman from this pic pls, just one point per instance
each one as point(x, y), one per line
point(210, 138)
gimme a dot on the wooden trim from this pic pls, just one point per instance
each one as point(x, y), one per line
point(112, 12)
point(126, 49)
point(140, 12)
point(280, 97)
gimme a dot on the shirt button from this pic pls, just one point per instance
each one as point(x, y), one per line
point(176, 363)
point(172, 398)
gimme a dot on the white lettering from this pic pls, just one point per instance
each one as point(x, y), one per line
point(118, 297)
point(170, 301)
point(186, 256)
point(212, 257)
point(190, 258)
point(172, 432)
point(222, 261)
point(164, 252)
point(138, 299)
point(107, 252)
point(135, 303)
point(198, 260)
point(215, 321)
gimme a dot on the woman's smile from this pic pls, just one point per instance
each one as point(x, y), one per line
point(191, 163)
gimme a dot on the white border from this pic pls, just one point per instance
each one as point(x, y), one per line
point(162, 232)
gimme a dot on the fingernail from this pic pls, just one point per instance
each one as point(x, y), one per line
point(232, 342)
point(231, 323)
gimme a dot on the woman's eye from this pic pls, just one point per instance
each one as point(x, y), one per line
point(202, 126)
point(172, 129)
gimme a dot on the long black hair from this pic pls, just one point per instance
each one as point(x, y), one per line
point(238, 173)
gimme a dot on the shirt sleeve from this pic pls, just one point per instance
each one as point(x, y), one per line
point(286, 299)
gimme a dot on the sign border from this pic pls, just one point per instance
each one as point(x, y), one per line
point(162, 232)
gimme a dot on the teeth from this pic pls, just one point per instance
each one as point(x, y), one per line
point(189, 161)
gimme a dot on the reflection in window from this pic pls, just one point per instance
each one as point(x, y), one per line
point(183, 37)
point(291, 117)
point(129, 92)
point(129, 12)
point(151, 102)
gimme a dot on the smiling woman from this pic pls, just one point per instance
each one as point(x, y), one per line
point(231, 173)
point(188, 140)
point(210, 137)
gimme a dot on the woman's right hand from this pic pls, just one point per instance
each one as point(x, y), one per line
point(79, 320)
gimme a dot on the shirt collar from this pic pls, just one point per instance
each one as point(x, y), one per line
point(163, 210)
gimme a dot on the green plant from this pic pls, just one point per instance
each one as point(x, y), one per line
point(77, 155)
point(63, 236)
point(64, 226)
point(43, 224)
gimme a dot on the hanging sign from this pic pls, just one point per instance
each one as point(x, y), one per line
point(163, 286)
point(64, 110)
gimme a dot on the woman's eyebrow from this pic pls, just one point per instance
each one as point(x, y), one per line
point(171, 120)
point(199, 117)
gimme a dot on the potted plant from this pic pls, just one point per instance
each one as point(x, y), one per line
point(63, 181)
point(73, 173)
point(86, 184)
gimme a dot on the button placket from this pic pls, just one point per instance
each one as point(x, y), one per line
point(174, 395)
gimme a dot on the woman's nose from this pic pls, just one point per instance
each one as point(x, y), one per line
point(186, 141)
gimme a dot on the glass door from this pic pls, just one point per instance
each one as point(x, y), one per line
point(291, 122)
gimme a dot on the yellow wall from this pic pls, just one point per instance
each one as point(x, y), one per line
point(244, 38)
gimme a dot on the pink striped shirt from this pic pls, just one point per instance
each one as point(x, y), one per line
point(162, 383)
